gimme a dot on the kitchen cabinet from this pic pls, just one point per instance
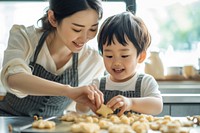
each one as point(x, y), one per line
point(180, 109)
point(166, 110)
point(180, 98)
point(185, 109)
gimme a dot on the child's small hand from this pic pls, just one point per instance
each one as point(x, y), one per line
point(121, 102)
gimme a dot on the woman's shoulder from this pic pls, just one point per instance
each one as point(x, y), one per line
point(22, 28)
point(22, 32)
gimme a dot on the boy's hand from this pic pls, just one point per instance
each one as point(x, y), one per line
point(121, 102)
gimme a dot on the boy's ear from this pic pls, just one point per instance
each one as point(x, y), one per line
point(142, 56)
point(51, 18)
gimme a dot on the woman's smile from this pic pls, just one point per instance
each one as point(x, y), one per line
point(78, 45)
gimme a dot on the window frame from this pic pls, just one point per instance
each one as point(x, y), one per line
point(130, 4)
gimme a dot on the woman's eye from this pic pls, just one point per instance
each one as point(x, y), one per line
point(76, 30)
point(124, 56)
point(93, 30)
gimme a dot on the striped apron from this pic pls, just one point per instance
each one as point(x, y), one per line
point(44, 106)
point(108, 94)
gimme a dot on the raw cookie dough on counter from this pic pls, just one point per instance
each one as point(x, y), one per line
point(42, 124)
point(130, 123)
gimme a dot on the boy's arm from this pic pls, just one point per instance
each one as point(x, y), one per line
point(147, 105)
point(144, 105)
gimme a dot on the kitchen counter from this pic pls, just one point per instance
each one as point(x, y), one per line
point(16, 122)
point(23, 124)
point(180, 91)
point(181, 98)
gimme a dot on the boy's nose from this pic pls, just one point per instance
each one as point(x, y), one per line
point(117, 64)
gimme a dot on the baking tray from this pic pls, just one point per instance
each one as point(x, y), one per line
point(61, 127)
point(64, 127)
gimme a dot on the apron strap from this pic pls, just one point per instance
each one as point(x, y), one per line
point(75, 61)
point(102, 83)
point(138, 85)
point(39, 46)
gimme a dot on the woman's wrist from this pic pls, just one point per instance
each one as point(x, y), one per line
point(80, 108)
point(66, 90)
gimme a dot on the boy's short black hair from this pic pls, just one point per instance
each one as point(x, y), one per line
point(122, 26)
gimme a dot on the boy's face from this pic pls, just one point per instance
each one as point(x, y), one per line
point(120, 61)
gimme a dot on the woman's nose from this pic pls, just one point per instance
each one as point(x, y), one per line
point(84, 37)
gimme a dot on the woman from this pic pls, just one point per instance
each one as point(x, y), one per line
point(43, 69)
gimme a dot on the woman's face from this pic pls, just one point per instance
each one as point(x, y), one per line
point(120, 61)
point(76, 30)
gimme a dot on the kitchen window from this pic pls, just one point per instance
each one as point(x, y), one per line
point(175, 29)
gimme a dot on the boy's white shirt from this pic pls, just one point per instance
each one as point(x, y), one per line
point(149, 86)
point(21, 46)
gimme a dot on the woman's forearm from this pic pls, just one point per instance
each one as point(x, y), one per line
point(33, 85)
point(147, 105)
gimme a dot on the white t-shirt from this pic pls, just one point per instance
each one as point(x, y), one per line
point(149, 86)
point(21, 47)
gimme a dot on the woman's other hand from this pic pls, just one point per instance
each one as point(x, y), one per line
point(87, 95)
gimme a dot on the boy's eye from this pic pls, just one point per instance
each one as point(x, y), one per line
point(109, 56)
point(124, 56)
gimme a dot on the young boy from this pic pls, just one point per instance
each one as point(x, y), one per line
point(123, 40)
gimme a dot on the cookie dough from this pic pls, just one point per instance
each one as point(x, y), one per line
point(83, 127)
point(42, 124)
point(104, 110)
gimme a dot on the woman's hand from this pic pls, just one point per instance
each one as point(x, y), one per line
point(121, 102)
point(80, 108)
point(87, 95)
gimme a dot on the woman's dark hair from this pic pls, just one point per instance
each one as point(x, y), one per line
point(65, 8)
point(122, 26)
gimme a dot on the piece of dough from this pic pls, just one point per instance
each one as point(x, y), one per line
point(104, 110)
point(41, 124)
point(105, 124)
point(70, 117)
point(83, 127)
point(120, 128)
